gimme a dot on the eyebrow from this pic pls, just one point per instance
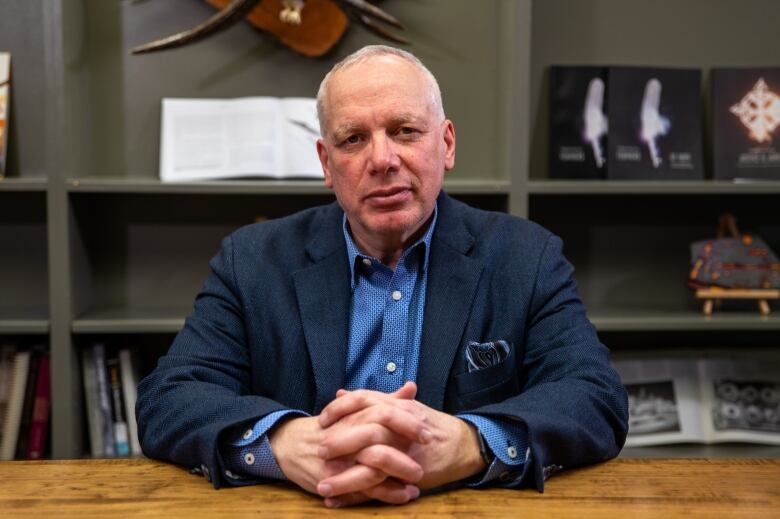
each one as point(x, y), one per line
point(398, 120)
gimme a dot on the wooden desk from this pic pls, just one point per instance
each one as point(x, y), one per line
point(620, 488)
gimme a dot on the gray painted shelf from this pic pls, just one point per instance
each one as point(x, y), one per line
point(24, 326)
point(23, 184)
point(718, 450)
point(649, 187)
point(641, 321)
point(254, 187)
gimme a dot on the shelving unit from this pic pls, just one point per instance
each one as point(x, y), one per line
point(95, 247)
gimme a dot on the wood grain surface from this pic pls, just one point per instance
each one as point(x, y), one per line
point(620, 488)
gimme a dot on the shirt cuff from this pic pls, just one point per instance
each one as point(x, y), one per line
point(247, 452)
point(508, 440)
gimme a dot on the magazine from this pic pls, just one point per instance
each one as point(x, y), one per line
point(702, 401)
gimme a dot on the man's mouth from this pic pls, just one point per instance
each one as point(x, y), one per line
point(389, 197)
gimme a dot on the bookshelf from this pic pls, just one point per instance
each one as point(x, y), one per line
point(96, 248)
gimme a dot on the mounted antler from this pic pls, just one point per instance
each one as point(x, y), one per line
point(235, 11)
point(311, 33)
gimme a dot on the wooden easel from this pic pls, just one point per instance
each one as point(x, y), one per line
point(727, 226)
point(715, 295)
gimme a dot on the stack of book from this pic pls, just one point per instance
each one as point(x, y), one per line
point(25, 402)
point(110, 379)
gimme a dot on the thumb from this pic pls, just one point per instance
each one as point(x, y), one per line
point(407, 392)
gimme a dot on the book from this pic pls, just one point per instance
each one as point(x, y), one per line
point(13, 413)
point(5, 108)
point(104, 400)
point(655, 129)
point(29, 401)
point(91, 402)
point(702, 400)
point(7, 353)
point(117, 406)
point(745, 117)
point(208, 139)
point(129, 378)
point(578, 122)
point(625, 123)
point(36, 443)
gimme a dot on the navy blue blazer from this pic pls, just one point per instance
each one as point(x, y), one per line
point(269, 331)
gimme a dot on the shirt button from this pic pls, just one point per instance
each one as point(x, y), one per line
point(397, 295)
point(391, 366)
point(249, 458)
point(248, 434)
point(366, 262)
point(512, 452)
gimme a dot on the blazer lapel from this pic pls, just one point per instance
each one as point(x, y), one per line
point(323, 291)
point(452, 283)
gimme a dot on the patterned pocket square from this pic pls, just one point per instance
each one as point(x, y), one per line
point(481, 355)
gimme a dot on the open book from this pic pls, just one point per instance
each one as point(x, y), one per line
point(703, 401)
point(206, 139)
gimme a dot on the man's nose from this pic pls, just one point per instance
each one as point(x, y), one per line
point(384, 157)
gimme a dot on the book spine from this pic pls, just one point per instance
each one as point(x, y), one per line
point(104, 400)
point(92, 403)
point(13, 414)
point(7, 353)
point(130, 393)
point(27, 408)
point(120, 425)
point(36, 443)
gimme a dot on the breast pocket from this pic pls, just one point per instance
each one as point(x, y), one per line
point(489, 385)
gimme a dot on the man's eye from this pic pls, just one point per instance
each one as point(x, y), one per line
point(352, 139)
point(405, 130)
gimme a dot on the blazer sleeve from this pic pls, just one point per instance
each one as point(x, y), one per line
point(571, 400)
point(200, 388)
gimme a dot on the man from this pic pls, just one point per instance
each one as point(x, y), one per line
point(394, 342)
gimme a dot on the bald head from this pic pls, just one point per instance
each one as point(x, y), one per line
point(376, 52)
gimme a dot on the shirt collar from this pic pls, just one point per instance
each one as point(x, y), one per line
point(353, 253)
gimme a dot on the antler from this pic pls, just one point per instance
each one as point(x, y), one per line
point(367, 13)
point(372, 10)
point(234, 12)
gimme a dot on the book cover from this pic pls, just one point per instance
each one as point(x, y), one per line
point(655, 130)
point(745, 117)
point(578, 122)
point(121, 442)
point(5, 107)
point(92, 402)
point(36, 443)
point(104, 400)
point(29, 402)
point(129, 379)
point(13, 414)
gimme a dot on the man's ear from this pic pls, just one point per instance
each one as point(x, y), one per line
point(449, 145)
point(322, 153)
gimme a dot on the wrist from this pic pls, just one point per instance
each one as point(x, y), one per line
point(476, 454)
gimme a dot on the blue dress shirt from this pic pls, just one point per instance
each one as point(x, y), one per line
point(384, 345)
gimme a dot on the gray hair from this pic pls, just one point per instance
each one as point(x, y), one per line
point(371, 51)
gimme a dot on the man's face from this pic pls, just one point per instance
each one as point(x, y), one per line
point(385, 148)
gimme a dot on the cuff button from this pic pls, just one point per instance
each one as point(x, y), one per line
point(249, 458)
point(512, 452)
